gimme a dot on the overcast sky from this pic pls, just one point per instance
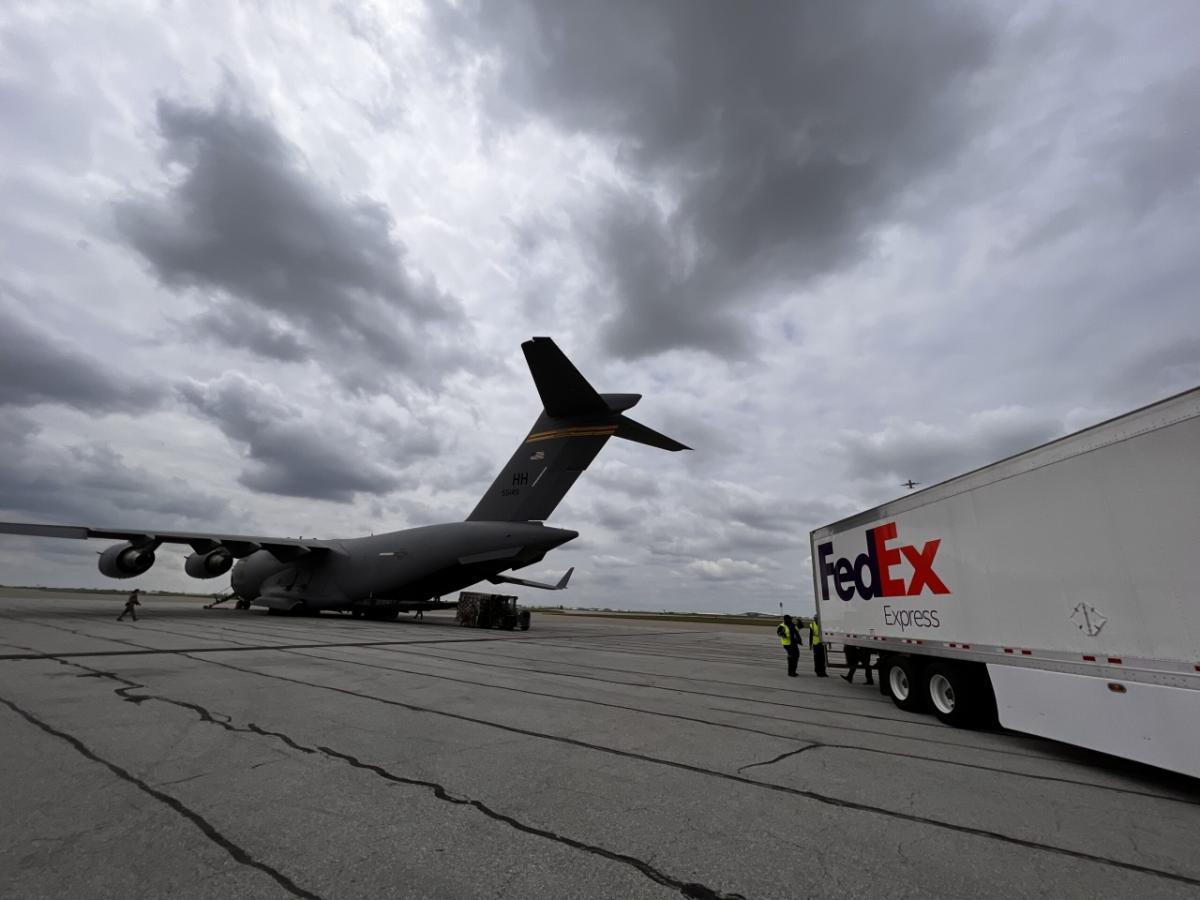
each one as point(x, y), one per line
point(266, 267)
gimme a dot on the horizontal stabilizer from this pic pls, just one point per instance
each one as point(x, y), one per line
point(561, 586)
point(563, 390)
point(639, 433)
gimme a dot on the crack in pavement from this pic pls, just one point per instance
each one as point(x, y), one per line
point(826, 744)
point(824, 799)
point(780, 757)
point(764, 785)
point(210, 831)
point(691, 890)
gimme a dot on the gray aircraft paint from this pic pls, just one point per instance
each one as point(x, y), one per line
point(386, 573)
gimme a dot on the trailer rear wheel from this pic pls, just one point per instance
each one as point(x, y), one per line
point(960, 694)
point(902, 674)
point(941, 692)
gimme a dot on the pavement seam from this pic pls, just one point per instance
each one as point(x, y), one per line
point(698, 770)
point(747, 730)
point(387, 645)
point(150, 651)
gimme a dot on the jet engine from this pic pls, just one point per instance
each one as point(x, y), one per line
point(126, 560)
point(212, 564)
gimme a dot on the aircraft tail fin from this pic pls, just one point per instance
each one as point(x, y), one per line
point(563, 390)
point(575, 423)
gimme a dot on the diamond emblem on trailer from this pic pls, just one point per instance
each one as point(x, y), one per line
point(1088, 619)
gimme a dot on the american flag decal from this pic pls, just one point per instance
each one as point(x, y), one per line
point(541, 454)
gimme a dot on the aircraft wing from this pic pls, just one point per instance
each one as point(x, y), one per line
point(561, 586)
point(239, 545)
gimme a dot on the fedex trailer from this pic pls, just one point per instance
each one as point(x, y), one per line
point(1054, 591)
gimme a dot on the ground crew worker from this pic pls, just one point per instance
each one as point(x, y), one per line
point(129, 606)
point(855, 657)
point(789, 636)
point(818, 649)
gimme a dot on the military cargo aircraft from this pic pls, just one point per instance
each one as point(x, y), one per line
point(384, 574)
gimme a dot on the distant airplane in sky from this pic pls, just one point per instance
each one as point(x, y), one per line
point(381, 575)
point(910, 484)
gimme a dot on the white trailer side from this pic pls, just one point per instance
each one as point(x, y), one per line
point(1061, 581)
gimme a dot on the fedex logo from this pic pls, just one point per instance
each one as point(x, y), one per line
point(850, 578)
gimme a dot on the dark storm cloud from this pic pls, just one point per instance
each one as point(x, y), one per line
point(247, 221)
point(39, 367)
point(247, 329)
point(91, 484)
point(292, 454)
point(785, 134)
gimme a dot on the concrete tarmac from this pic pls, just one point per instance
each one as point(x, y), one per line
point(216, 753)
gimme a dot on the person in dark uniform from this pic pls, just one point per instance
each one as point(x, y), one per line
point(789, 637)
point(129, 606)
point(818, 648)
point(855, 657)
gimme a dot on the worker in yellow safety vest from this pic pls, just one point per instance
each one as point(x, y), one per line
point(789, 636)
point(818, 648)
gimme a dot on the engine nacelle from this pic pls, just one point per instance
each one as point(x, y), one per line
point(126, 561)
point(212, 564)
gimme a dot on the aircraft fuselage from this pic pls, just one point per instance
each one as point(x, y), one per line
point(397, 569)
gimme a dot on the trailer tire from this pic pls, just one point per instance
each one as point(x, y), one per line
point(960, 694)
point(903, 677)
